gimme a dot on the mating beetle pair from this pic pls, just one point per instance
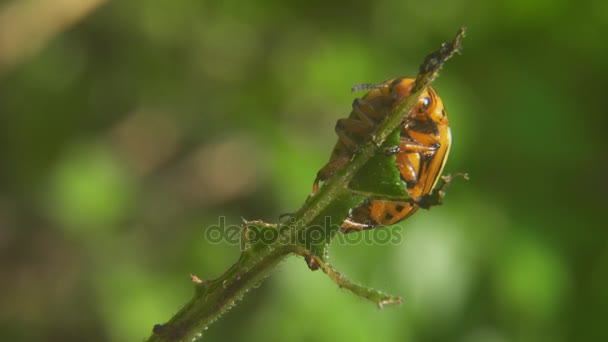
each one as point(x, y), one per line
point(423, 149)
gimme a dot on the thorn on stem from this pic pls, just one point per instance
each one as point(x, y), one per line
point(195, 279)
point(311, 262)
point(393, 300)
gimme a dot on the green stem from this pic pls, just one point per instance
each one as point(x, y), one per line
point(214, 297)
point(378, 297)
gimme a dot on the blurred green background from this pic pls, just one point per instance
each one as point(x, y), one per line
point(128, 127)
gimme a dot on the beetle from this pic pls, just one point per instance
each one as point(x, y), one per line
point(420, 157)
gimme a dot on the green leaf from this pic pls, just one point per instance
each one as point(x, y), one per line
point(380, 175)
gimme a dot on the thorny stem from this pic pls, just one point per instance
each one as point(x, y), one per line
point(378, 297)
point(214, 297)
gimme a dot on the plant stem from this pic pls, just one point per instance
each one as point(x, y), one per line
point(378, 297)
point(213, 298)
point(333, 200)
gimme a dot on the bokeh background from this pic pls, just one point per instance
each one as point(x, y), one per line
point(127, 128)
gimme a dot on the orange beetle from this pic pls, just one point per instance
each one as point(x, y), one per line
point(425, 141)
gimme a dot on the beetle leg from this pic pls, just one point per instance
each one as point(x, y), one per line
point(352, 133)
point(407, 146)
point(315, 185)
point(328, 170)
point(349, 226)
point(359, 218)
point(350, 143)
point(392, 150)
point(435, 197)
point(407, 171)
point(348, 130)
point(361, 114)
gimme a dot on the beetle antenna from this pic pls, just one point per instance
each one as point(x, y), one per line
point(366, 86)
